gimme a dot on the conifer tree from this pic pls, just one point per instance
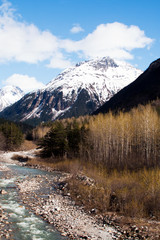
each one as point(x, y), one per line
point(55, 142)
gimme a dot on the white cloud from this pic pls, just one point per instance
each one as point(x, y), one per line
point(76, 29)
point(116, 40)
point(24, 82)
point(23, 42)
point(58, 61)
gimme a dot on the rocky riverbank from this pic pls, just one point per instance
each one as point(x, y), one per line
point(61, 211)
point(43, 196)
point(126, 227)
point(49, 198)
point(72, 221)
point(5, 230)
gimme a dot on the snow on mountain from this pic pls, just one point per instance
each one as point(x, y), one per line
point(145, 89)
point(102, 77)
point(78, 90)
point(9, 95)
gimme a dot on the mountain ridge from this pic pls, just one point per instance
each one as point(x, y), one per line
point(9, 95)
point(76, 91)
point(144, 89)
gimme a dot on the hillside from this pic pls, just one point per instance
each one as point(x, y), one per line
point(77, 91)
point(144, 89)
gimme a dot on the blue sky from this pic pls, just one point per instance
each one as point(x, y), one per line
point(40, 38)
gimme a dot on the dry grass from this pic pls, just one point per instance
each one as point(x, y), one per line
point(63, 165)
point(134, 194)
point(27, 145)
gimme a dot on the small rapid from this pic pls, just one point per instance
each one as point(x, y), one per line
point(20, 223)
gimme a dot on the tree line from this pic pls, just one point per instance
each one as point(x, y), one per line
point(63, 140)
point(125, 140)
point(11, 136)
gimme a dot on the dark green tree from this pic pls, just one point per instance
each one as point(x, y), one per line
point(55, 142)
point(74, 138)
point(12, 134)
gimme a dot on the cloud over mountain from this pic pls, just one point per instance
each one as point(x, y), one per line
point(25, 42)
point(116, 40)
point(24, 82)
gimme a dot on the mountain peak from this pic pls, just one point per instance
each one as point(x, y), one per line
point(8, 95)
point(145, 89)
point(76, 91)
point(103, 64)
point(99, 63)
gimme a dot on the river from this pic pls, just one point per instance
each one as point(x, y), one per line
point(19, 222)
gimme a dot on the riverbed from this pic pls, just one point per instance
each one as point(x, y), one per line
point(18, 221)
point(32, 208)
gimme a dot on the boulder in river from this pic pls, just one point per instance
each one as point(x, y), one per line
point(2, 191)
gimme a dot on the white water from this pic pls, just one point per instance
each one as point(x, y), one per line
point(24, 224)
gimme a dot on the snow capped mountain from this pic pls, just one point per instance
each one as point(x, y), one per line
point(145, 89)
point(9, 95)
point(79, 90)
point(101, 78)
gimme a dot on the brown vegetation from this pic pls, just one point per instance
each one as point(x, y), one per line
point(121, 153)
point(127, 140)
point(39, 132)
point(27, 145)
point(130, 193)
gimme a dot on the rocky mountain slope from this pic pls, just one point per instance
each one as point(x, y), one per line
point(9, 95)
point(144, 89)
point(76, 91)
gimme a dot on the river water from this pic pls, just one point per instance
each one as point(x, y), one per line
point(21, 223)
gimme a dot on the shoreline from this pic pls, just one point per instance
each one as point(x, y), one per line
point(61, 211)
point(53, 209)
point(122, 227)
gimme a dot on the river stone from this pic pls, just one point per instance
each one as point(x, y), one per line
point(2, 191)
